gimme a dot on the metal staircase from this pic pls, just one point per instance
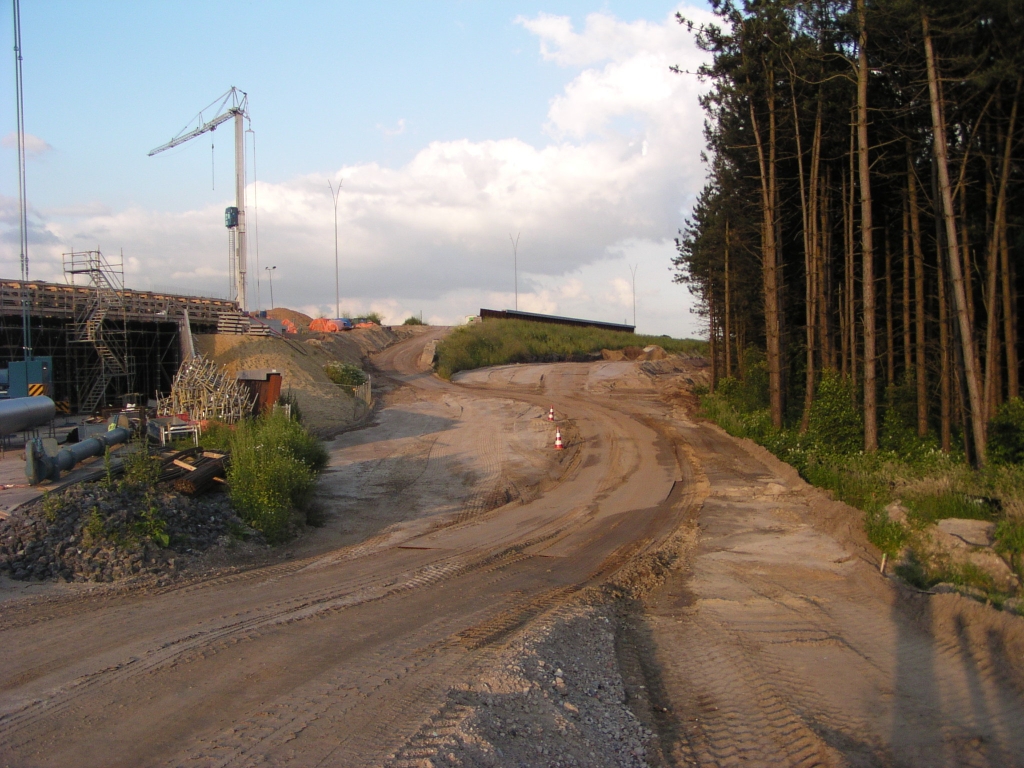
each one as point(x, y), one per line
point(100, 323)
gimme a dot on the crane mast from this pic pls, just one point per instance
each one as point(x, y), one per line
point(232, 105)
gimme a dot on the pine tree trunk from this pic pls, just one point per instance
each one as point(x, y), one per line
point(866, 236)
point(890, 350)
point(992, 260)
point(851, 253)
point(945, 370)
point(828, 347)
point(1009, 318)
point(908, 362)
point(728, 301)
point(810, 289)
point(769, 252)
point(964, 323)
point(920, 366)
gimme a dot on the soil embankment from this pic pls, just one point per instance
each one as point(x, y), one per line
point(326, 408)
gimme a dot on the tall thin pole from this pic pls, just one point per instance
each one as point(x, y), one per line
point(515, 263)
point(270, 275)
point(632, 271)
point(240, 267)
point(337, 285)
point(26, 330)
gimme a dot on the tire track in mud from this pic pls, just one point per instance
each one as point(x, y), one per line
point(777, 646)
point(416, 667)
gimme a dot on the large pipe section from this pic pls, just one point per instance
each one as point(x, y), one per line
point(23, 413)
point(39, 466)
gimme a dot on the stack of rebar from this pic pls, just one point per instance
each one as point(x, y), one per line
point(203, 390)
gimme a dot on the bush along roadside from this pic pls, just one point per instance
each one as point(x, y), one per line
point(273, 469)
point(943, 525)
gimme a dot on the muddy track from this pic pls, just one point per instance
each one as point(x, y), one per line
point(750, 624)
point(337, 657)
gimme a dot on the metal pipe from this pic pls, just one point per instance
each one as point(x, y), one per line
point(21, 413)
point(39, 466)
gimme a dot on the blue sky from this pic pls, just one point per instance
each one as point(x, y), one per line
point(451, 124)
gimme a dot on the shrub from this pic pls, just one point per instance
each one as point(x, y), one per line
point(274, 463)
point(1010, 543)
point(898, 431)
point(345, 375)
point(412, 321)
point(217, 436)
point(835, 423)
point(1006, 433)
point(141, 469)
point(374, 317)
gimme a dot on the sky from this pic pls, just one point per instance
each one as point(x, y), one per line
point(453, 127)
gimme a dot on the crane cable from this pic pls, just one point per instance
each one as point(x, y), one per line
point(255, 213)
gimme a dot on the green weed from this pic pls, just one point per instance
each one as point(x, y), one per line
point(274, 464)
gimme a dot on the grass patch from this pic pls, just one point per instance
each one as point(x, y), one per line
point(500, 342)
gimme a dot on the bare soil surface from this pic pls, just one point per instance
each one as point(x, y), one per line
point(656, 594)
point(326, 408)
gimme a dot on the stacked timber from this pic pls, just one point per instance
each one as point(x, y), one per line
point(233, 323)
point(194, 471)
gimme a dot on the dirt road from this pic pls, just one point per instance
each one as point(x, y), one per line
point(656, 594)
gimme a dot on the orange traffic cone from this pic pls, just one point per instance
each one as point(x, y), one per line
point(551, 414)
point(558, 440)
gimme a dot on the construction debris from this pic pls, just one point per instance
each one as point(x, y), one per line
point(205, 391)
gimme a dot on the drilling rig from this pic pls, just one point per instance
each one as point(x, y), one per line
point(233, 104)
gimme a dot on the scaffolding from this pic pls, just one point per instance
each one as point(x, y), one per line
point(153, 330)
point(100, 324)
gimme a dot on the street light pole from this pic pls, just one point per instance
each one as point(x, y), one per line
point(632, 271)
point(337, 289)
point(515, 263)
point(270, 276)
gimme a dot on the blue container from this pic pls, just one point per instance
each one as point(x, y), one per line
point(29, 378)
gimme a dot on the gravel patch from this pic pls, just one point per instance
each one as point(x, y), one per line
point(91, 532)
point(556, 699)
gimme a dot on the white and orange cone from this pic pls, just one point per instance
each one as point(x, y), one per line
point(558, 440)
point(551, 414)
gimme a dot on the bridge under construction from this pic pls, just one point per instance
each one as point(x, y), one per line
point(107, 342)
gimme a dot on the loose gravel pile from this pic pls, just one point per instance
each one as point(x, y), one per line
point(558, 700)
point(92, 532)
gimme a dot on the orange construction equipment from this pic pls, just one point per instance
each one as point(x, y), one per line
point(558, 440)
point(289, 326)
point(323, 325)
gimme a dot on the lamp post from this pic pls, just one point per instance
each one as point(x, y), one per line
point(515, 264)
point(270, 276)
point(337, 291)
point(632, 271)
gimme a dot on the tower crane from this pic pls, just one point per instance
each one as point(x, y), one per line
point(233, 104)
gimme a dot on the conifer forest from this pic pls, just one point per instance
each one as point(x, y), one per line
point(863, 217)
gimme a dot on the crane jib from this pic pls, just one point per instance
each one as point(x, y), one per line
point(238, 110)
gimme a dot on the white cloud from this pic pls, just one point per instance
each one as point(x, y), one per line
point(34, 146)
point(620, 171)
point(398, 130)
